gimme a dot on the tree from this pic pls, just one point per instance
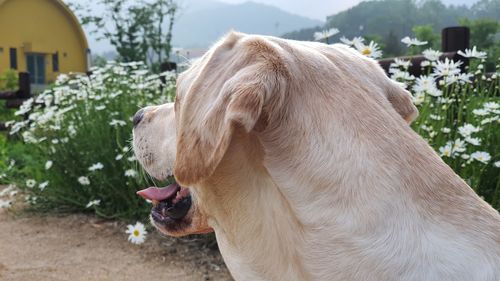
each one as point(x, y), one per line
point(392, 45)
point(482, 32)
point(135, 28)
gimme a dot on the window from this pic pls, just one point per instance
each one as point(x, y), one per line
point(35, 63)
point(55, 62)
point(13, 58)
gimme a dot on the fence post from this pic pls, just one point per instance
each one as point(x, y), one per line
point(454, 39)
point(24, 86)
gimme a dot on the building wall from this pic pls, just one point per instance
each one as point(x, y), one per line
point(42, 27)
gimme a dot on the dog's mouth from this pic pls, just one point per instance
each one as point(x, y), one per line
point(170, 204)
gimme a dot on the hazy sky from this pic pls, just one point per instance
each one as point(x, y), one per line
point(316, 9)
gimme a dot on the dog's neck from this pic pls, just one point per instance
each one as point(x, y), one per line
point(303, 202)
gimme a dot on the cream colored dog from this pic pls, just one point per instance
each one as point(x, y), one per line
point(300, 157)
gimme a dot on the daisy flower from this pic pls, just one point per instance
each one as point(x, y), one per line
point(491, 105)
point(467, 129)
point(401, 63)
point(458, 146)
point(424, 84)
point(481, 156)
point(48, 164)
point(480, 112)
point(5, 204)
point(30, 183)
point(325, 34)
point(96, 166)
point(43, 185)
point(83, 180)
point(130, 173)
point(353, 42)
point(497, 164)
point(473, 141)
point(474, 53)
point(447, 68)
point(371, 50)
point(413, 42)
point(137, 233)
point(116, 122)
point(431, 54)
point(446, 150)
point(93, 203)
point(119, 157)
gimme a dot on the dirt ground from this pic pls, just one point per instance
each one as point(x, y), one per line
point(78, 247)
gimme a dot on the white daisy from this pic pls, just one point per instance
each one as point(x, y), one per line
point(424, 84)
point(130, 173)
point(473, 141)
point(481, 156)
point(5, 204)
point(413, 42)
point(446, 150)
point(83, 180)
point(353, 42)
point(93, 203)
point(458, 146)
point(48, 164)
point(491, 105)
point(116, 122)
point(43, 185)
point(497, 164)
point(431, 54)
point(446, 68)
point(30, 183)
point(480, 112)
point(474, 53)
point(371, 50)
point(137, 233)
point(96, 166)
point(401, 63)
point(445, 130)
point(467, 129)
point(325, 34)
point(119, 157)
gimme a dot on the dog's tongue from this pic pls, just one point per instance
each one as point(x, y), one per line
point(159, 194)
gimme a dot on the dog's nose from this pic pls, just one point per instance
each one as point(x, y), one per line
point(138, 117)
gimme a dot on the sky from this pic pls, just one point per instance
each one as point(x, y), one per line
point(315, 9)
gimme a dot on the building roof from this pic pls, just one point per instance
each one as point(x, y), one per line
point(69, 14)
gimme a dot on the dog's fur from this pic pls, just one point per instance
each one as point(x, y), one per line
point(300, 157)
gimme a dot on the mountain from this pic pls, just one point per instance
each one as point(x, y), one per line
point(200, 23)
point(396, 18)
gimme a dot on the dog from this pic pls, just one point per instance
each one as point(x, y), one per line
point(300, 157)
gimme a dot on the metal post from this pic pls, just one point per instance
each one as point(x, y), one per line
point(24, 86)
point(454, 39)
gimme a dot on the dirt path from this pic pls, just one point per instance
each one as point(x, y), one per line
point(78, 247)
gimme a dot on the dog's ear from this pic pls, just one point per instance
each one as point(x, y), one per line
point(209, 119)
point(401, 100)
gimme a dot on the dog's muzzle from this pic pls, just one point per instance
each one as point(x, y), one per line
point(170, 203)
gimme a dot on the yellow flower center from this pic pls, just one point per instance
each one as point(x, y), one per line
point(136, 232)
point(366, 52)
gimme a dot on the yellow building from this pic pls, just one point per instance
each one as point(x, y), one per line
point(42, 37)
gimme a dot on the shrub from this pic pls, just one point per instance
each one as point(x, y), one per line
point(78, 135)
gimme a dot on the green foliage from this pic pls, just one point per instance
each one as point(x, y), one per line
point(484, 35)
point(395, 19)
point(460, 119)
point(138, 30)
point(76, 146)
point(9, 80)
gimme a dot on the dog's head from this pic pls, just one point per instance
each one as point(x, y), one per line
point(234, 112)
